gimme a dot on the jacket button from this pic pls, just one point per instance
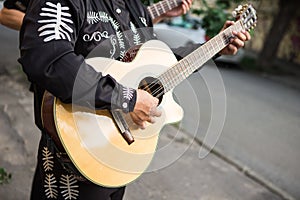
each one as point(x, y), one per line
point(118, 10)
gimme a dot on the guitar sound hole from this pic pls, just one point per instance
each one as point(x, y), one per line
point(153, 86)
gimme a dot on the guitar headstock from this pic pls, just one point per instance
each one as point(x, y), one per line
point(247, 15)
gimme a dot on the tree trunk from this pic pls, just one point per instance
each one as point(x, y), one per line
point(281, 22)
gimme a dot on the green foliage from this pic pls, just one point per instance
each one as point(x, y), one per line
point(213, 18)
point(4, 176)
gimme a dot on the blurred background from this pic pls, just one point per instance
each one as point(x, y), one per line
point(276, 36)
point(257, 153)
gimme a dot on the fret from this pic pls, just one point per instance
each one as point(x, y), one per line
point(175, 3)
point(162, 6)
point(215, 45)
point(211, 46)
point(171, 77)
point(179, 71)
point(165, 81)
point(196, 59)
point(151, 13)
point(186, 66)
point(189, 64)
point(157, 12)
point(220, 41)
point(193, 57)
point(168, 3)
point(184, 73)
point(205, 50)
point(179, 74)
point(198, 56)
point(182, 69)
point(175, 78)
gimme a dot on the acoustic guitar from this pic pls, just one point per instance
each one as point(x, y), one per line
point(93, 138)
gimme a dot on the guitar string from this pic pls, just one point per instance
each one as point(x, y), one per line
point(177, 77)
point(228, 35)
point(164, 4)
point(226, 39)
point(159, 91)
point(224, 36)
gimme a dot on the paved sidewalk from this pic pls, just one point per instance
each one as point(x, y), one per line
point(184, 175)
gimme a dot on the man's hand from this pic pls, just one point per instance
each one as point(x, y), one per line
point(179, 10)
point(11, 18)
point(183, 8)
point(235, 43)
point(145, 109)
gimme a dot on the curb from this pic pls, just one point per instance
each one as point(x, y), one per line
point(248, 172)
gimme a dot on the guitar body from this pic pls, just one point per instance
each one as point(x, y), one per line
point(91, 138)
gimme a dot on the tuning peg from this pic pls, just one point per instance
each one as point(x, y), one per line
point(239, 8)
point(237, 11)
point(253, 26)
point(234, 14)
point(245, 6)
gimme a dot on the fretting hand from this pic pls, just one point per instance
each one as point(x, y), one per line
point(182, 9)
point(235, 43)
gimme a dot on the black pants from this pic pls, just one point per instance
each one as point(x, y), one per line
point(52, 181)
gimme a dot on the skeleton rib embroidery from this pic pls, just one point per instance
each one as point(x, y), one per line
point(136, 35)
point(128, 93)
point(69, 187)
point(47, 158)
point(50, 186)
point(56, 22)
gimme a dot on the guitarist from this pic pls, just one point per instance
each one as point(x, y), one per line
point(55, 38)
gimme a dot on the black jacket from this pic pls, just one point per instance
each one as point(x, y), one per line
point(57, 36)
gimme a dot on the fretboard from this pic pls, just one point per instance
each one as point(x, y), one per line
point(185, 67)
point(162, 7)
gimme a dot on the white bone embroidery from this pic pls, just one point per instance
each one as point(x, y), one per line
point(47, 160)
point(136, 35)
point(127, 93)
point(56, 22)
point(69, 187)
point(50, 186)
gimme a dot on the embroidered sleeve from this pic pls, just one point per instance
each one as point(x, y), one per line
point(47, 42)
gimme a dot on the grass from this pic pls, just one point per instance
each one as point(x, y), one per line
point(4, 176)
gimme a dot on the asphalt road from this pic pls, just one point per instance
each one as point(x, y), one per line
point(261, 123)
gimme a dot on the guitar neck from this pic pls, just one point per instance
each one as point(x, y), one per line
point(185, 67)
point(162, 7)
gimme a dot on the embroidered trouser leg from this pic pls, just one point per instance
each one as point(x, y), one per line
point(52, 181)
